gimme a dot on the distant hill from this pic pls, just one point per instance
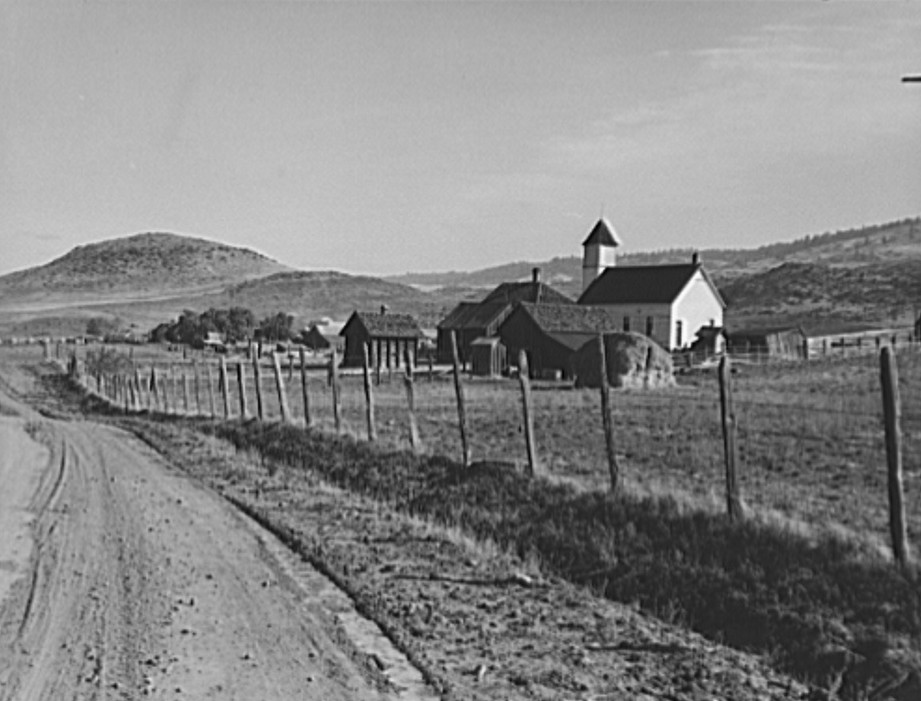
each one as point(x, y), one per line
point(892, 241)
point(140, 266)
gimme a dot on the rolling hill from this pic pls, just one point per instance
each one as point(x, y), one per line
point(870, 275)
point(143, 266)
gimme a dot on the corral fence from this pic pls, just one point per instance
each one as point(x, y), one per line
point(824, 442)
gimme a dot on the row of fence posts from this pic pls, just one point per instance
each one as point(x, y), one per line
point(889, 383)
point(127, 393)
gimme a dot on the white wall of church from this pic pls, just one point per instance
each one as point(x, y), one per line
point(694, 307)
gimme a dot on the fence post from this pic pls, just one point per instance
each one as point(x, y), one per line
point(525, 380)
point(304, 395)
point(730, 446)
point(153, 391)
point(369, 393)
point(606, 418)
point(461, 409)
point(414, 442)
point(334, 383)
point(889, 379)
point(223, 386)
point(210, 377)
point(257, 381)
point(241, 387)
point(431, 369)
point(185, 392)
point(280, 386)
point(196, 386)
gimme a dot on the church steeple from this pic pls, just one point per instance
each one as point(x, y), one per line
point(598, 251)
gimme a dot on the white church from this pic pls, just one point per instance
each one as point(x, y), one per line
point(668, 303)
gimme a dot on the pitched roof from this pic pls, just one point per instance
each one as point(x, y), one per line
point(479, 315)
point(512, 292)
point(572, 318)
point(386, 325)
point(603, 233)
point(643, 284)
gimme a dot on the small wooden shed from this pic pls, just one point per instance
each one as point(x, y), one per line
point(314, 339)
point(386, 335)
point(488, 357)
point(782, 343)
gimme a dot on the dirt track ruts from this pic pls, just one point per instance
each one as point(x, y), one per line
point(141, 583)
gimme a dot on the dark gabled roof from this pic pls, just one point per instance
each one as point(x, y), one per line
point(480, 315)
point(385, 325)
point(603, 233)
point(571, 318)
point(458, 316)
point(643, 284)
point(512, 292)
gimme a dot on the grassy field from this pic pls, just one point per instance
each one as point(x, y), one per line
point(807, 579)
point(810, 435)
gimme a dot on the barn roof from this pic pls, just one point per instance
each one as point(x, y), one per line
point(765, 331)
point(512, 292)
point(603, 233)
point(479, 315)
point(643, 284)
point(571, 318)
point(385, 325)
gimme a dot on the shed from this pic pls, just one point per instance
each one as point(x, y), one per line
point(780, 342)
point(386, 335)
point(472, 320)
point(551, 333)
point(487, 356)
point(314, 339)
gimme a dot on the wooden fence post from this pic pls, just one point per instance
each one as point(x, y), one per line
point(223, 386)
point(196, 386)
point(334, 383)
point(730, 445)
point(209, 378)
point(153, 402)
point(461, 408)
point(369, 393)
point(185, 392)
point(431, 369)
point(525, 381)
point(414, 441)
point(257, 381)
point(304, 395)
point(889, 379)
point(241, 387)
point(607, 421)
point(280, 386)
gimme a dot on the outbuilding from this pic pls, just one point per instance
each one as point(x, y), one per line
point(386, 335)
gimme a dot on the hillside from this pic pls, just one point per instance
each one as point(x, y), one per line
point(892, 241)
point(141, 266)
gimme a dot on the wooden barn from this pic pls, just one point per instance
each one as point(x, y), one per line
point(387, 336)
point(551, 333)
point(473, 320)
point(781, 343)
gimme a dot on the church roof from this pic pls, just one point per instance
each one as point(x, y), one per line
point(643, 284)
point(602, 234)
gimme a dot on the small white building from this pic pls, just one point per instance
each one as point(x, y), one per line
point(668, 303)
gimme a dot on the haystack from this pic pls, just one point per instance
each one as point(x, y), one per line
point(634, 360)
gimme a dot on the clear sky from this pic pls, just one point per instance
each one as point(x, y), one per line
point(389, 137)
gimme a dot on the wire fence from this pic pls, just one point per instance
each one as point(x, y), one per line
point(810, 435)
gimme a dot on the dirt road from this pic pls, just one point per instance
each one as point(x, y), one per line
point(120, 578)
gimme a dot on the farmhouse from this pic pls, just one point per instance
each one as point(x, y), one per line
point(474, 320)
point(386, 335)
point(551, 333)
point(668, 303)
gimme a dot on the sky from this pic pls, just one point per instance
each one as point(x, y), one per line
point(389, 137)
